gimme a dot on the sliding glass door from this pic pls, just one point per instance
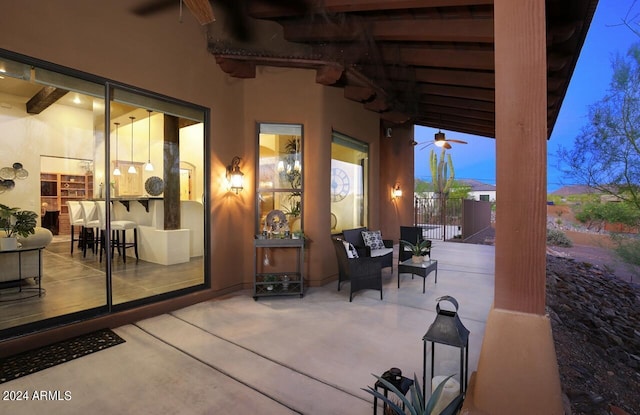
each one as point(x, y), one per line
point(117, 178)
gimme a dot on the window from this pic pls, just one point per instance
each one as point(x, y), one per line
point(280, 174)
point(349, 171)
point(484, 198)
point(71, 144)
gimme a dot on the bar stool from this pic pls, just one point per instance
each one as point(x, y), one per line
point(76, 219)
point(118, 233)
point(92, 223)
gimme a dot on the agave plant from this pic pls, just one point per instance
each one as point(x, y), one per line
point(419, 248)
point(417, 405)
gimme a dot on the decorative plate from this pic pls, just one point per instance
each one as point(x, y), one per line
point(7, 173)
point(21, 173)
point(154, 186)
point(275, 219)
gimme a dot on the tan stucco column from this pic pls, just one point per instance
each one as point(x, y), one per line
point(517, 371)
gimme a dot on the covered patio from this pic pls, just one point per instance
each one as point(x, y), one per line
point(272, 356)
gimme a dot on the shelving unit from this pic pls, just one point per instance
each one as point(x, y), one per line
point(267, 284)
point(56, 189)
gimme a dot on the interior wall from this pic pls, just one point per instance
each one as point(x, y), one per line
point(25, 137)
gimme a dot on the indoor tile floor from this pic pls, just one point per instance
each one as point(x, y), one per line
point(277, 355)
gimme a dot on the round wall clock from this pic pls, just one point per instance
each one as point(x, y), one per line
point(339, 184)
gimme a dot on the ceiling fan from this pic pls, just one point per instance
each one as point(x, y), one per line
point(235, 10)
point(440, 140)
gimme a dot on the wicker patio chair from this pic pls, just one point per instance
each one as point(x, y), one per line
point(363, 273)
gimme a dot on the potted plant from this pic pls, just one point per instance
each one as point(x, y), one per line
point(418, 250)
point(15, 222)
point(418, 405)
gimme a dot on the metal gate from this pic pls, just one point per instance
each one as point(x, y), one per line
point(440, 219)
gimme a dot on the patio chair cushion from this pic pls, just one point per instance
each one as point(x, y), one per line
point(381, 252)
point(373, 239)
point(351, 250)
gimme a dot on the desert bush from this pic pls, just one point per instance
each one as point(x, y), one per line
point(556, 237)
point(627, 248)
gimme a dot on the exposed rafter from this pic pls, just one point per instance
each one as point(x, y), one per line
point(44, 98)
point(426, 62)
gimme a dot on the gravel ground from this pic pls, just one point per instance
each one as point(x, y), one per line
point(595, 321)
point(593, 300)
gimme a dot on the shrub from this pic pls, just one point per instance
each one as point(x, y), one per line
point(627, 248)
point(556, 237)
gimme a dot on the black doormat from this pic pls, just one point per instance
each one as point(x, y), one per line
point(26, 363)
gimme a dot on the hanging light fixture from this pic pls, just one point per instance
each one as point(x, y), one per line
point(149, 166)
point(116, 171)
point(132, 168)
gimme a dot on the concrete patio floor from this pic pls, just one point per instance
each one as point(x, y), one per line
point(277, 355)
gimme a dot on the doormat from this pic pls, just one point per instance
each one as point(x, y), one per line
point(23, 364)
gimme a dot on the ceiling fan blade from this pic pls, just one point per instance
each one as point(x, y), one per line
point(201, 10)
point(153, 6)
point(456, 141)
point(447, 146)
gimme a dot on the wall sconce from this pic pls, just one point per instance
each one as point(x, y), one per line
point(234, 175)
point(396, 192)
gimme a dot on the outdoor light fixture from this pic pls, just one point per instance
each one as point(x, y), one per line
point(447, 330)
point(149, 166)
point(396, 191)
point(439, 140)
point(116, 171)
point(132, 168)
point(234, 175)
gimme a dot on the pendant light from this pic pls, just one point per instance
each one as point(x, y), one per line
point(116, 171)
point(149, 166)
point(296, 164)
point(132, 168)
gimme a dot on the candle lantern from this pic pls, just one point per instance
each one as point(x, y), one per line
point(447, 330)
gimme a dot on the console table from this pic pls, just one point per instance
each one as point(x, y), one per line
point(291, 282)
point(19, 252)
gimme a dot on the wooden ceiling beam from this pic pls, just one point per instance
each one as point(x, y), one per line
point(456, 77)
point(359, 93)
point(378, 104)
point(238, 68)
point(456, 112)
point(439, 58)
point(381, 28)
point(44, 98)
point(395, 117)
point(464, 104)
point(265, 10)
point(477, 94)
point(329, 74)
point(475, 130)
point(442, 120)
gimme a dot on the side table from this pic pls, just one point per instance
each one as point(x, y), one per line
point(19, 252)
point(421, 268)
point(405, 385)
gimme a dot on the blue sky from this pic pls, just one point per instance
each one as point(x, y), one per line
point(590, 82)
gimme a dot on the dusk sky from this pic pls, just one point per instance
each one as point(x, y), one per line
point(590, 82)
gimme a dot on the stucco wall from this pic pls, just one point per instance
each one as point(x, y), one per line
point(396, 167)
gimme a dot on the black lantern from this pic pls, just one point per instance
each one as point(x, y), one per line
point(447, 329)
